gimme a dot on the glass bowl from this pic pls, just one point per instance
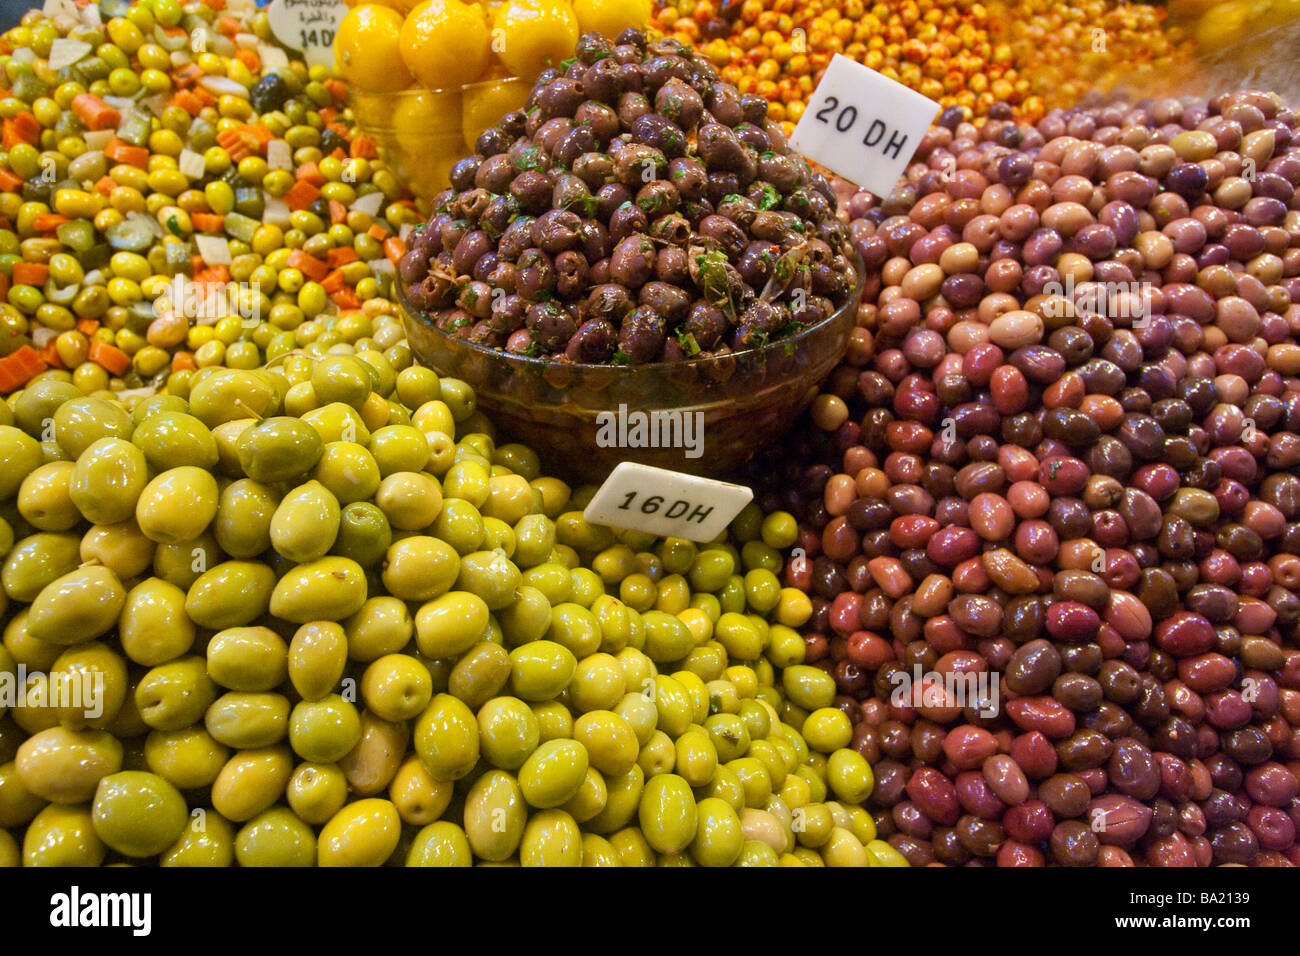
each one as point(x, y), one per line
point(585, 419)
point(421, 134)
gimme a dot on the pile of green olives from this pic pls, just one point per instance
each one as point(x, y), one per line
point(333, 622)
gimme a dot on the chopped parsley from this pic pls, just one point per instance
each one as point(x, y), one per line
point(687, 341)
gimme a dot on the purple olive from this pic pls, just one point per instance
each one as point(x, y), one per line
point(535, 274)
point(557, 230)
point(609, 198)
point(494, 173)
point(609, 302)
point(532, 188)
point(594, 343)
point(671, 266)
point(706, 323)
point(603, 81)
point(724, 103)
point(519, 235)
point(729, 237)
point(663, 134)
point(463, 172)
point(667, 300)
point(602, 120)
point(689, 176)
point(632, 261)
point(658, 198)
point(641, 337)
point(570, 274)
point(677, 101)
point(549, 324)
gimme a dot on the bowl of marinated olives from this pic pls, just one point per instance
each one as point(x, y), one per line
point(638, 238)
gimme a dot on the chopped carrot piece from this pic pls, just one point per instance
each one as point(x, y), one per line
point(301, 195)
point(50, 355)
point(394, 247)
point(87, 327)
point(337, 89)
point(48, 221)
point(363, 147)
point(309, 173)
point(261, 135)
point(346, 298)
point(30, 273)
point(186, 101)
point(334, 281)
point(4, 286)
point(109, 357)
point(187, 75)
point(207, 221)
point(105, 185)
point(25, 128)
point(338, 212)
point(249, 58)
point(10, 182)
point(308, 265)
point(183, 361)
point(94, 113)
point(228, 26)
point(120, 151)
point(341, 256)
point(327, 113)
point(214, 275)
point(20, 368)
point(377, 232)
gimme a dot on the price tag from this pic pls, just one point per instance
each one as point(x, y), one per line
point(863, 125)
point(667, 503)
point(308, 26)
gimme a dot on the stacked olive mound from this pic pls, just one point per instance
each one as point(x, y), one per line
point(637, 210)
point(328, 611)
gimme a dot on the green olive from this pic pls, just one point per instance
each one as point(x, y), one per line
point(176, 694)
point(551, 838)
point(318, 655)
point(349, 471)
point(80, 422)
point(363, 833)
point(247, 720)
point(37, 560)
point(622, 798)
point(364, 534)
point(553, 580)
point(597, 851)
point(18, 805)
point(534, 540)
point(808, 687)
point(247, 658)
point(65, 766)
point(509, 732)
point(598, 683)
point(540, 670)
point(609, 740)
point(317, 791)
point(20, 455)
point(107, 480)
point(667, 638)
point(79, 606)
point(490, 575)
point(446, 738)
point(183, 564)
point(232, 594)
point(207, 841)
point(171, 439)
point(188, 759)
point(305, 523)
point(91, 680)
point(576, 628)
point(397, 687)
point(277, 838)
point(45, 497)
point(279, 449)
point(440, 844)
point(229, 394)
point(243, 522)
point(153, 627)
point(62, 836)
point(323, 731)
point(553, 773)
point(138, 814)
point(399, 448)
point(418, 797)
point(410, 500)
point(495, 816)
point(460, 525)
point(341, 378)
point(527, 618)
point(371, 765)
point(381, 626)
point(718, 836)
point(480, 674)
point(658, 755)
point(420, 568)
point(451, 624)
point(251, 781)
point(697, 758)
point(632, 849)
point(121, 548)
point(177, 505)
point(667, 813)
point(639, 711)
point(849, 775)
point(329, 589)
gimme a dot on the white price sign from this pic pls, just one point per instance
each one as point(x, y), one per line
point(308, 26)
point(862, 125)
point(666, 503)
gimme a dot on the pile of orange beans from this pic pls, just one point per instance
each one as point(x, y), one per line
point(1031, 54)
